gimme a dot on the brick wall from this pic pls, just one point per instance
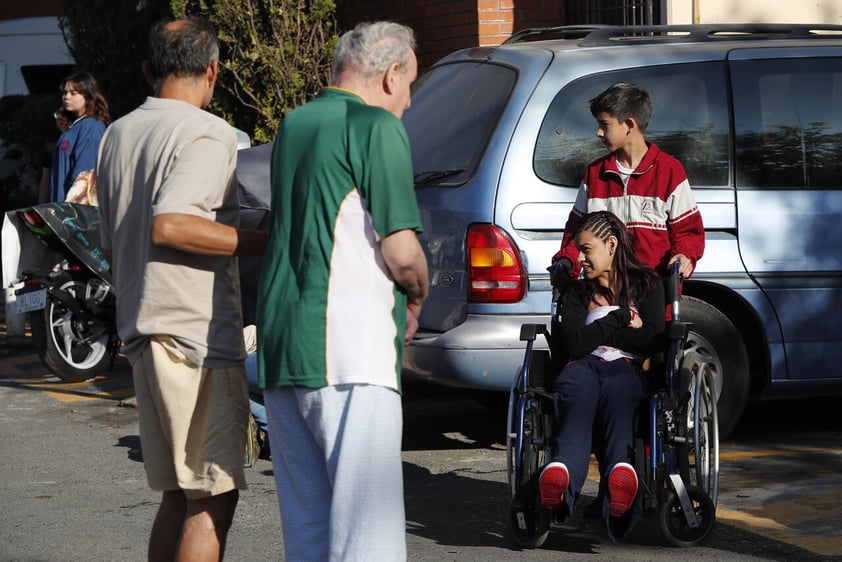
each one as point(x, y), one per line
point(13, 9)
point(443, 26)
point(498, 19)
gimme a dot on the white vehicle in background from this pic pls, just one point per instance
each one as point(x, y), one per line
point(33, 60)
point(33, 56)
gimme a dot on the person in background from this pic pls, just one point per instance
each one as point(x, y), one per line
point(611, 321)
point(62, 120)
point(75, 152)
point(342, 285)
point(169, 212)
point(256, 407)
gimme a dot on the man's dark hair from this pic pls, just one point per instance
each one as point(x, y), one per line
point(185, 49)
point(624, 100)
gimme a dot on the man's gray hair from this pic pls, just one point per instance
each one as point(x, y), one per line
point(371, 48)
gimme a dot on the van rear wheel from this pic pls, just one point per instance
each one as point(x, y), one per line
point(718, 342)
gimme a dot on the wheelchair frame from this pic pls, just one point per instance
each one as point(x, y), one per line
point(677, 463)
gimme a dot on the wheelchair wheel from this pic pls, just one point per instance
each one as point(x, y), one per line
point(674, 525)
point(530, 524)
point(644, 475)
point(698, 458)
point(529, 520)
point(511, 435)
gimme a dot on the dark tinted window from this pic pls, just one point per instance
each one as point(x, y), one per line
point(454, 109)
point(788, 123)
point(45, 78)
point(689, 121)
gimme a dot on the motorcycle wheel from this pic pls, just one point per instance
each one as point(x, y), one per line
point(73, 349)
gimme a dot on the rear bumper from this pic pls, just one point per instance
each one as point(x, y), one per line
point(483, 352)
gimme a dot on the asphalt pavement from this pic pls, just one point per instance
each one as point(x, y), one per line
point(73, 486)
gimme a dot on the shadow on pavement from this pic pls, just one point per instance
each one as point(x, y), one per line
point(132, 443)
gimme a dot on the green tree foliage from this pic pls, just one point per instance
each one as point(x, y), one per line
point(276, 54)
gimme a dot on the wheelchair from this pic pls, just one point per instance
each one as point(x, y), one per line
point(676, 451)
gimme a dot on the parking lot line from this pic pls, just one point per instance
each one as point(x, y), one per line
point(98, 388)
point(761, 520)
point(741, 455)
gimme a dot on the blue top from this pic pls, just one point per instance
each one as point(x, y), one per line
point(75, 152)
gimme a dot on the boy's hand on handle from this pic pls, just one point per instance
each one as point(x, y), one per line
point(560, 272)
point(685, 266)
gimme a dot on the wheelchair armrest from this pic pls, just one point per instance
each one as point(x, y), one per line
point(678, 330)
point(529, 332)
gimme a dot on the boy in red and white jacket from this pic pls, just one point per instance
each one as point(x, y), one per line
point(646, 188)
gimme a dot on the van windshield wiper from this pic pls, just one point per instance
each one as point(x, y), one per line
point(427, 177)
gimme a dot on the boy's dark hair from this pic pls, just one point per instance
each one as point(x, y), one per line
point(183, 51)
point(624, 100)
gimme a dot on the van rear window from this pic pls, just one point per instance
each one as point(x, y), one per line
point(689, 121)
point(455, 108)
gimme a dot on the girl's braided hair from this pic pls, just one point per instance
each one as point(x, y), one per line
point(633, 280)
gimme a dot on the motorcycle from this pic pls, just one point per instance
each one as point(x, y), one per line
point(67, 290)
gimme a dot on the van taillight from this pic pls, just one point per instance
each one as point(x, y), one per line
point(495, 270)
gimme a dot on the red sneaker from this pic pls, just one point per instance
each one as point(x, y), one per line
point(552, 484)
point(622, 489)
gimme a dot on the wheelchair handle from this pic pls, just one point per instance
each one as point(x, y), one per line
point(530, 332)
point(674, 290)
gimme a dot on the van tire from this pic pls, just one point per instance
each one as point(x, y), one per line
point(715, 338)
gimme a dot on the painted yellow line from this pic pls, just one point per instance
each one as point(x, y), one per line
point(773, 520)
point(80, 391)
point(772, 529)
point(113, 394)
point(740, 455)
point(804, 508)
point(593, 471)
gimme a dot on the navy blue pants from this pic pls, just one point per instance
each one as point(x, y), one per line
point(599, 397)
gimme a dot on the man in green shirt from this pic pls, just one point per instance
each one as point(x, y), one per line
point(341, 289)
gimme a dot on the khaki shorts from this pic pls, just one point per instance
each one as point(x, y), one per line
point(193, 422)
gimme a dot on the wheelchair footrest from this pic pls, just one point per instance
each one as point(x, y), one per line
point(684, 499)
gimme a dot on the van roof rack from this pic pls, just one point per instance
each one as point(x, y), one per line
point(558, 32)
point(614, 35)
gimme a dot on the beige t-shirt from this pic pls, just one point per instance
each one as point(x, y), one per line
point(168, 156)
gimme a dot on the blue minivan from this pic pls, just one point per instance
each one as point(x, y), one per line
point(501, 137)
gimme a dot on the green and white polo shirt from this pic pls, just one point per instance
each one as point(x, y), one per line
point(329, 312)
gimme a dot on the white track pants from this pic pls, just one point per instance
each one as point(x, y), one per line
point(336, 453)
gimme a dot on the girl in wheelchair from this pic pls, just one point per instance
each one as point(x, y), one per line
point(609, 322)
